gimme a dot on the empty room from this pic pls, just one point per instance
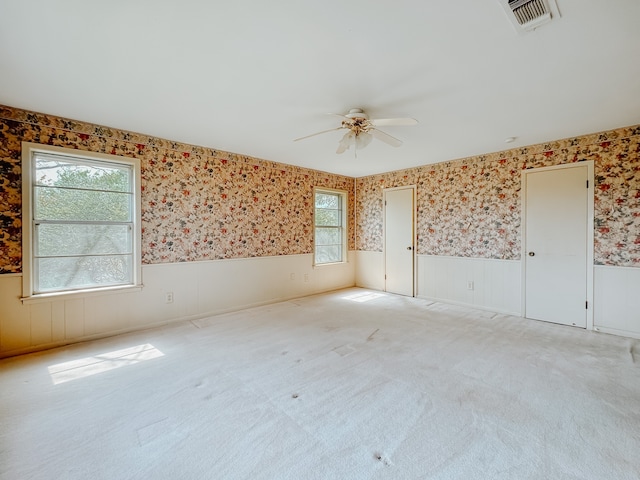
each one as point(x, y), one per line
point(340, 240)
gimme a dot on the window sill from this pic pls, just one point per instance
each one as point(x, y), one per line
point(74, 294)
point(316, 265)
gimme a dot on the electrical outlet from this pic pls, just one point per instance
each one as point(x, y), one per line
point(168, 297)
point(306, 277)
point(469, 285)
point(292, 276)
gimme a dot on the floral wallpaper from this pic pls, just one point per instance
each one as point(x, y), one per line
point(471, 207)
point(197, 203)
point(200, 203)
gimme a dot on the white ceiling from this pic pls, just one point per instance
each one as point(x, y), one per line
point(249, 76)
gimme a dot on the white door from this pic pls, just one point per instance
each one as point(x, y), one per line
point(398, 240)
point(555, 249)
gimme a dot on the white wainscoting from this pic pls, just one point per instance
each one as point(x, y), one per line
point(496, 284)
point(370, 270)
point(199, 289)
point(616, 300)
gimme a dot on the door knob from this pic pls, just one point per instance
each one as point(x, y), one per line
point(409, 248)
point(532, 254)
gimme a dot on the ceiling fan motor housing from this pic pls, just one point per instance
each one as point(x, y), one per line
point(357, 125)
point(357, 113)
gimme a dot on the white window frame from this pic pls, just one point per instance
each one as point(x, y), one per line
point(28, 180)
point(343, 220)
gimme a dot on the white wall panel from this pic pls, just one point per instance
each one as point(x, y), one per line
point(41, 323)
point(617, 300)
point(15, 318)
point(206, 288)
point(495, 283)
point(370, 270)
point(181, 279)
point(73, 318)
point(107, 313)
point(199, 289)
point(57, 322)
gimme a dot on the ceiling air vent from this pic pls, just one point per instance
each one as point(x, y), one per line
point(529, 14)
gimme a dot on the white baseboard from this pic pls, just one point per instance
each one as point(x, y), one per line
point(469, 305)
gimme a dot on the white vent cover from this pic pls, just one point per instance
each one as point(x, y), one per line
point(530, 14)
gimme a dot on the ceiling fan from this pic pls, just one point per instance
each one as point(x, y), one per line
point(361, 130)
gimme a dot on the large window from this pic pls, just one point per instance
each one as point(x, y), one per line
point(80, 221)
point(330, 226)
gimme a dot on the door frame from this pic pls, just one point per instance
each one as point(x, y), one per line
point(590, 226)
point(414, 220)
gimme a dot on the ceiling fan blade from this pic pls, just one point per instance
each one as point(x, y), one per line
point(385, 137)
point(392, 122)
point(318, 133)
point(346, 141)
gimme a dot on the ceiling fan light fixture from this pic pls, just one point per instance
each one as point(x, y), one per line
point(345, 142)
point(362, 139)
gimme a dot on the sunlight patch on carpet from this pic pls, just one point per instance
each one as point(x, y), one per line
point(85, 367)
point(362, 297)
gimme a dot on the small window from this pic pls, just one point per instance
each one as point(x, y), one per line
point(329, 222)
point(81, 220)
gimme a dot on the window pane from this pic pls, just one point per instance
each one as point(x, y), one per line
point(328, 200)
point(66, 273)
point(331, 218)
point(328, 236)
point(328, 253)
point(56, 239)
point(64, 172)
point(84, 218)
point(329, 228)
point(62, 204)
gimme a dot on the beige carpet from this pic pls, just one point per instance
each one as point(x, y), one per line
point(349, 385)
